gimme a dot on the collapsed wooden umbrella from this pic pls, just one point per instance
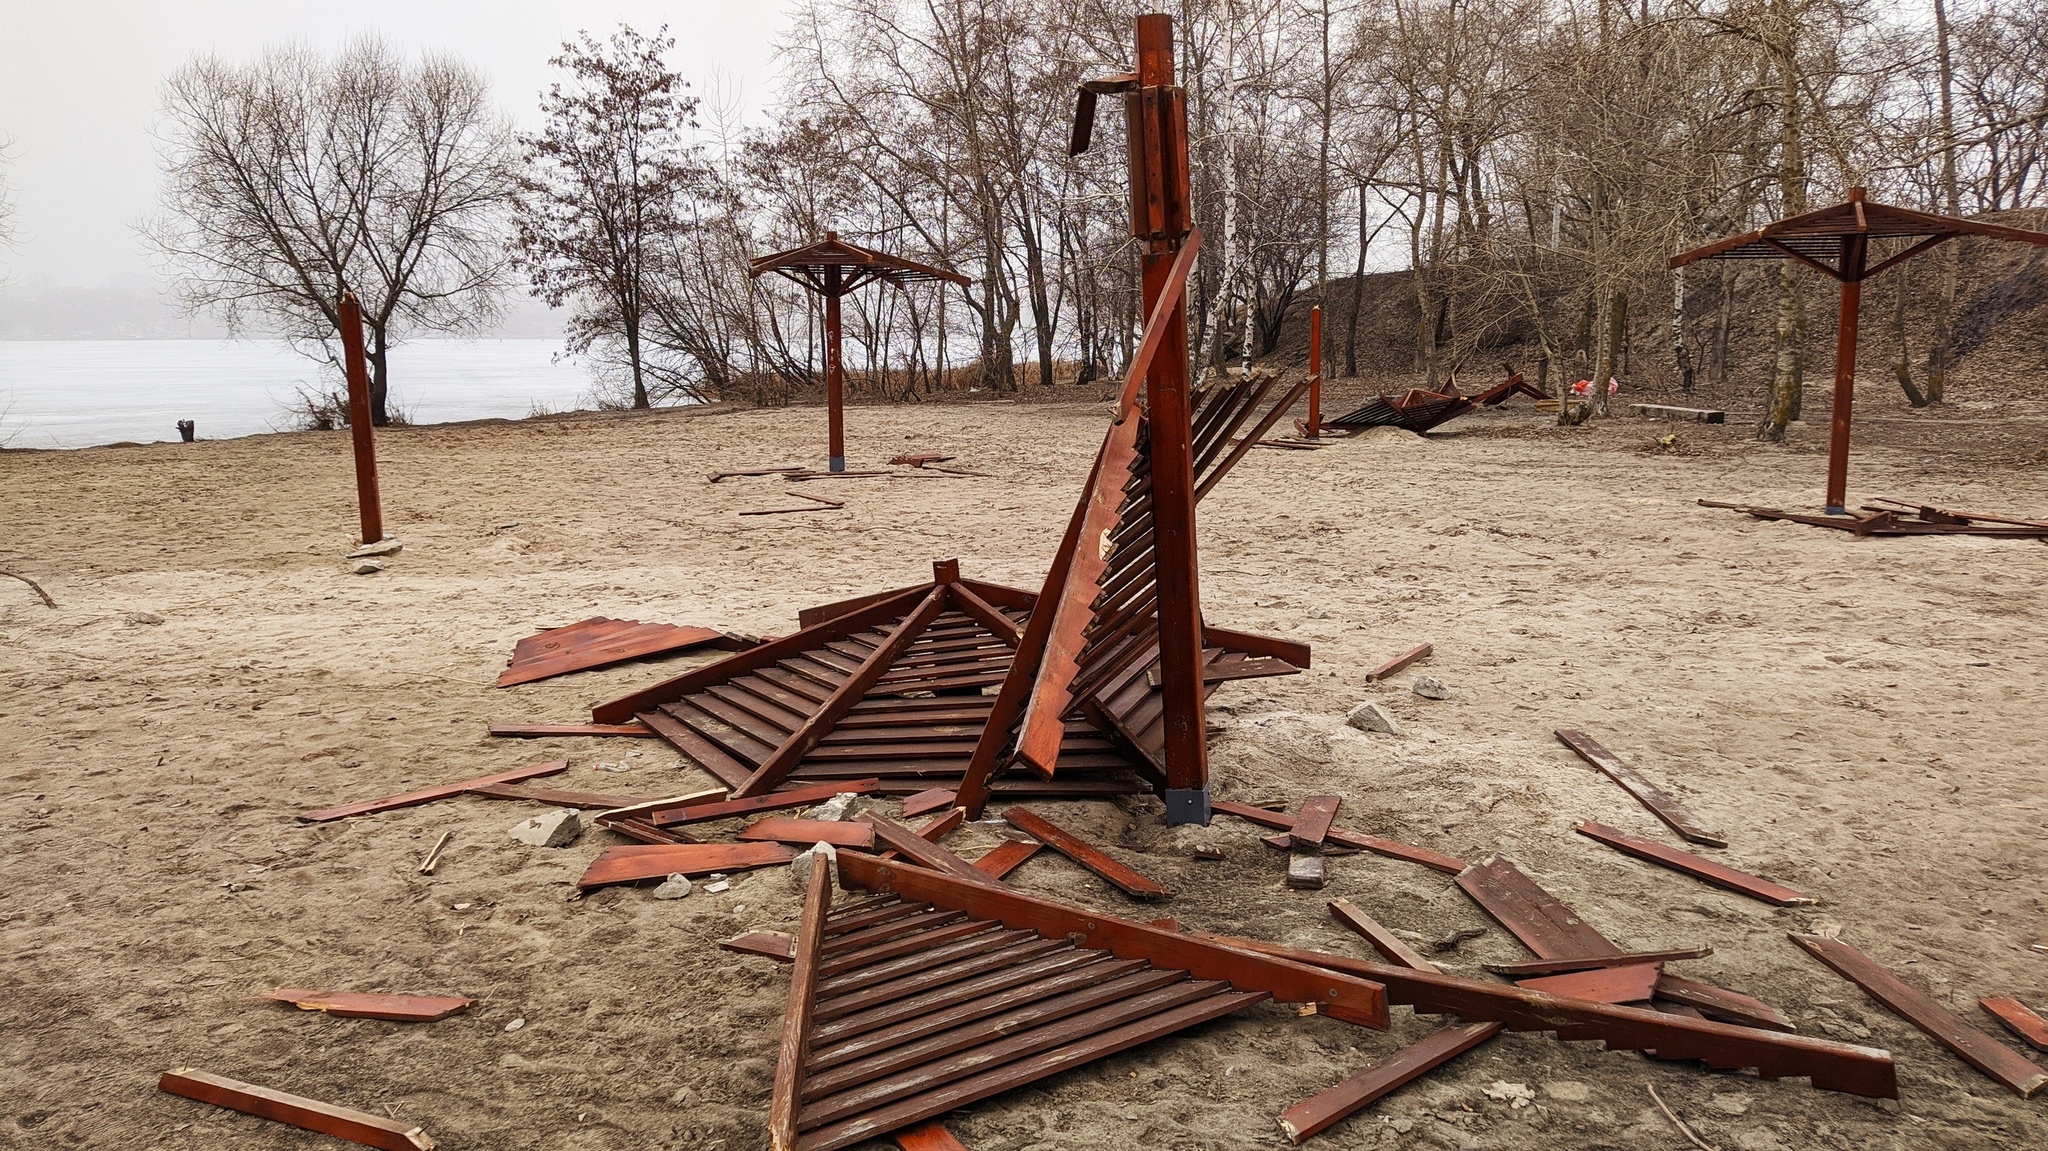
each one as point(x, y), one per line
point(832, 268)
point(1835, 241)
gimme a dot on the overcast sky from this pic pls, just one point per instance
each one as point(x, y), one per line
point(78, 82)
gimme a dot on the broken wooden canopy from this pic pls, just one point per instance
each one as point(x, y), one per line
point(1420, 409)
point(832, 268)
point(1836, 241)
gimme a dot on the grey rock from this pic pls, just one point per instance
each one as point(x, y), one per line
point(144, 617)
point(676, 886)
point(1371, 717)
point(1430, 687)
point(380, 548)
point(800, 867)
point(368, 567)
point(557, 828)
point(838, 808)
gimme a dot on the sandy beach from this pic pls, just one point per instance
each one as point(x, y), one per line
point(1862, 719)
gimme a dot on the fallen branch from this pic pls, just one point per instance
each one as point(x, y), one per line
point(1698, 1142)
point(45, 596)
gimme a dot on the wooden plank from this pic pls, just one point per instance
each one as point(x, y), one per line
point(1718, 874)
point(1661, 805)
point(640, 641)
point(921, 851)
point(549, 730)
point(296, 1110)
point(555, 798)
point(630, 864)
point(360, 1005)
point(1588, 962)
point(1721, 1003)
point(786, 1093)
point(1383, 941)
point(1352, 1001)
point(774, 801)
point(1394, 666)
point(804, 832)
point(706, 754)
point(1006, 857)
point(1320, 1112)
point(2018, 1019)
point(1972, 1046)
point(1125, 879)
point(863, 1033)
point(1313, 822)
point(777, 945)
point(430, 794)
point(1668, 412)
point(1531, 914)
point(929, 800)
point(1391, 848)
point(647, 807)
point(928, 1136)
point(1632, 984)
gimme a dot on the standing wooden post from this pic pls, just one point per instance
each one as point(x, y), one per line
point(1854, 250)
point(1314, 429)
point(358, 368)
point(835, 388)
point(1161, 218)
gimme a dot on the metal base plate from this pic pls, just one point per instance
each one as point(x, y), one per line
point(836, 464)
point(1187, 805)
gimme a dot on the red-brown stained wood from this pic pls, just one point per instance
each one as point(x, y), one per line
point(1661, 804)
point(1383, 941)
point(1387, 847)
point(777, 945)
point(1536, 967)
point(922, 851)
point(1721, 1003)
point(1531, 914)
point(931, 1136)
point(805, 832)
point(296, 1110)
point(599, 642)
point(1320, 1112)
point(1125, 879)
point(1632, 984)
point(1006, 857)
point(635, 862)
point(1720, 875)
point(2016, 1071)
point(2018, 1019)
point(927, 801)
point(430, 794)
point(362, 1005)
point(786, 1093)
point(1313, 822)
point(556, 798)
point(1393, 666)
point(778, 801)
point(549, 730)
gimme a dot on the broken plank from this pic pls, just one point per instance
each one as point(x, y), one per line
point(639, 811)
point(635, 862)
point(430, 794)
point(773, 801)
point(1632, 984)
point(1006, 857)
point(555, 797)
point(1979, 1050)
point(1669, 412)
point(1125, 879)
point(777, 945)
point(1320, 1112)
point(1720, 875)
point(1660, 803)
point(930, 1135)
point(804, 832)
point(2018, 1019)
point(1387, 847)
point(1390, 946)
point(929, 800)
point(1588, 962)
point(1393, 666)
point(921, 851)
point(549, 730)
point(1312, 824)
point(296, 1110)
point(1531, 914)
point(361, 1005)
point(1305, 871)
point(1721, 1003)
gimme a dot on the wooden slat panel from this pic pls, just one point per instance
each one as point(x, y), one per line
point(1061, 963)
point(701, 751)
point(851, 981)
point(839, 943)
point(978, 961)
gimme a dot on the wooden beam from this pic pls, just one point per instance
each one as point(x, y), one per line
point(921, 851)
point(1393, 849)
point(636, 862)
point(360, 1005)
point(1320, 1112)
point(786, 1094)
point(1661, 805)
point(777, 801)
point(1383, 941)
point(1718, 874)
point(776, 945)
point(430, 794)
point(551, 730)
point(1124, 878)
point(2018, 1019)
point(1394, 666)
point(1006, 857)
point(1588, 962)
point(296, 1110)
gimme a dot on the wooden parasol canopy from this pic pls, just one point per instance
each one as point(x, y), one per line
point(832, 268)
point(1836, 242)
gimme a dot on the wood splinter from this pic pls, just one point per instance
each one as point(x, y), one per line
point(296, 1110)
point(433, 858)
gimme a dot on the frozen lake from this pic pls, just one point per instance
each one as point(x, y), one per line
point(76, 393)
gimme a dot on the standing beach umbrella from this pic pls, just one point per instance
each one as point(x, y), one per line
point(832, 268)
point(1836, 242)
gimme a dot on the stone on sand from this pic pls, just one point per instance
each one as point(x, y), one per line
point(557, 828)
point(1371, 717)
point(1430, 687)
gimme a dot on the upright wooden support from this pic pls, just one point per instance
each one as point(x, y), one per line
point(835, 387)
point(1314, 428)
point(1854, 249)
point(358, 368)
point(784, 1098)
point(1161, 218)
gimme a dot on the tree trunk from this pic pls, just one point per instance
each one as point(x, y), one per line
point(1944, 312)
point(380, 379)
point(1783, 405)
point(1902, 367)
point(1681, 359)
point(1357, 292)
point(632, 325)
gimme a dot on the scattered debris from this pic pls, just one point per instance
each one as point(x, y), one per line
point(838, 808)
point(602, 642)
point(143, 618)
point(358, 1005)
point(558, 828)
point(516, 1024)
point(430, 794)
point(1648, 794)
point(1371, 717)
point(1668, 412)
point(1450, 942)
point(1717, 874)
point(2018, 1019)
point(380, 548)
point(296, 1110)
point(776, 945)
point(1430, 687)
point(433, 858)
point(1515, 1095)
point(1684, 1130)
point(1902, 519)
point(1124, 878)
point(368, 567)
point(1419, 409)
point(1387, 847)
point(1400, 662)
point(676, 886)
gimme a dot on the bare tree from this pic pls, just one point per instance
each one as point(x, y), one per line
point(609, 181)
point(296, 177)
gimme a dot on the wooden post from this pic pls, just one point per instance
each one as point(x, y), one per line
point(835, 398)
point(358, 368)
point(1855, 249)
point(1161, 218)
point(1314, 430)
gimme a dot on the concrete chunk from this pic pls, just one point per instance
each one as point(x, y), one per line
point(1371, 717)
point(557, 828)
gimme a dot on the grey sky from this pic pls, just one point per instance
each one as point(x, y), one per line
point(78, 82)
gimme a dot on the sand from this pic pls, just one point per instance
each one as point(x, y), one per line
point(1861, 719)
